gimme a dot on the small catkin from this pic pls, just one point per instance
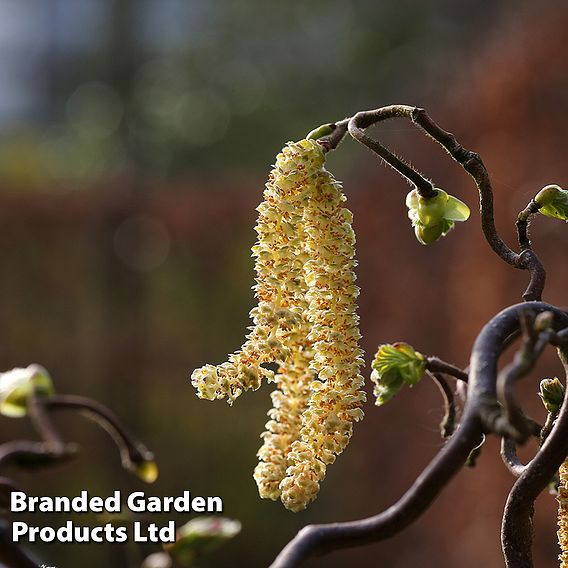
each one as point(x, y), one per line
point(563, 515)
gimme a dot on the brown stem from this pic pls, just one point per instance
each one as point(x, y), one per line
point(132, 451)
point(510, 458)
point(363, 119)
point(472, 164)
point(448, 423)
point(522, 224)
point(438, 366)
point(513, 423)
point(43, 424)
point(27, 454)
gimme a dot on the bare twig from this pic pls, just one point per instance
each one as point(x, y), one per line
point(24, 453)
point(448, 423)
point(332, 141)
point(43, 424)
point(364, 119)
point(132, 451)
point(472, 164)
point(509, 456)
point(522, 224)
point(438, 366)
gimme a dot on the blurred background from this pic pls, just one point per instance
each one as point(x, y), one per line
point(135, 139)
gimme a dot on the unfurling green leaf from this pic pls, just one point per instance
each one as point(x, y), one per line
point(553, 201)
point(17, 387)
point(434, 217)
point(394, 366)
point(552, 394)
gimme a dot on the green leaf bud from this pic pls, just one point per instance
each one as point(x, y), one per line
point(552, 394)
point(433, 217)
point(553, 201)
point(427, 235)
point(395, 365)
point(17, 387)
point(431, 209)
point(320, 132)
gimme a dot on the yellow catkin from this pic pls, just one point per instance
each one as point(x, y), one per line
point(336, 398)
point(294, 375)
point(279, 264)
point(563, 515)
point(306, 322)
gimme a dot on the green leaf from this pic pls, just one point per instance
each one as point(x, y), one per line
point(427, 235)
point(394, 366)
point(434, 217)
point(456, 210)
point(431, 210)
point(553, 201)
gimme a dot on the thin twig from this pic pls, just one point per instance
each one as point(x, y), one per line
point(523, 220)
point(332, 141)
point(27, 454)
point(547, 428)
point(438, 366)
point(513, 422)
point(43, 424)
point(132, 451)
point(364, 119)
point(472, 164)
point(510, 458)
point(448, 423)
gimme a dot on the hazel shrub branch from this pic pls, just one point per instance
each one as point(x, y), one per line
point(306, 323)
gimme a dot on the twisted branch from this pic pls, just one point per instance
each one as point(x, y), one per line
point(481, 413)
point(514, 423)
point(471, 163)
